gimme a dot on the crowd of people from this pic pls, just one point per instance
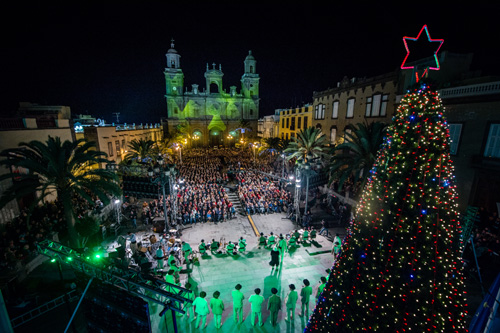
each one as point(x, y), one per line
point(261, 195)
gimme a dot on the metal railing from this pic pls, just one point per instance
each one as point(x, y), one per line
point(44, 308)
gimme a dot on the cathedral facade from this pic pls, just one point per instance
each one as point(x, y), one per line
point(210, 115)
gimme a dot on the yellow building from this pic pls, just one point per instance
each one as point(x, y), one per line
point(293, 120)
point(353, 101)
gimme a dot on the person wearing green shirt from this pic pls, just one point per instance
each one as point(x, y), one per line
point(217, 307)
point(256, 300)
point(270, 240)
point(200, 305)
point(238, 298)
point(202, 247)
point(282, 246)
point(321, 287)
point(188, 307)
point(291, 303)
point(274, 305)
point(187, 250)
point(305, 295)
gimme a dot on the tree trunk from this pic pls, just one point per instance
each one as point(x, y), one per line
point(73, 237)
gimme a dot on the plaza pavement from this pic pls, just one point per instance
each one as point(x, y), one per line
point(251, 269)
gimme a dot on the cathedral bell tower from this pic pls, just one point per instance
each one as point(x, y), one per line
point(174, 77)
point(250, 88)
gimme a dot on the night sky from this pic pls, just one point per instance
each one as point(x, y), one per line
point(100, 58)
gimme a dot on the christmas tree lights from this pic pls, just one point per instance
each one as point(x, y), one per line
point(400, 268)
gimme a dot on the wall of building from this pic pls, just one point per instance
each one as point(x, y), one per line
point(114, 140)
point(477, 175)
point(330, 107)
point(292, 121)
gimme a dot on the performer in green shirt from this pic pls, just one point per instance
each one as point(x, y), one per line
point(291, 303)
point(238, 298)
point(305, 295)
point(256, 300)
point(321, 287)
point(274, 305)
point(217, 307)
point(200, 305)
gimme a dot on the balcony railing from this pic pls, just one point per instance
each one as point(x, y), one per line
point(471, 90)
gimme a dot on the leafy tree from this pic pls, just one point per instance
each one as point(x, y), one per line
point(66, 169)
point(355, 156)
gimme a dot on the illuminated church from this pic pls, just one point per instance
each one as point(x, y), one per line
point(212, 115)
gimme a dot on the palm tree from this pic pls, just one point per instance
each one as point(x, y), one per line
point(355, 157)
point(307, 149)
point(65, 169)
point(141, 150)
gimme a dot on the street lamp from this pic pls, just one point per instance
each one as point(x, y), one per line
point(283, 171)
point(179, 148)
point(117, 203)
point(164, 175)
point(297, 195)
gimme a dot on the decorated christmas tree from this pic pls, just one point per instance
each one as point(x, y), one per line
point(400, 265)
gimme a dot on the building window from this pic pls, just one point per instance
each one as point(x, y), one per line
point(319, 111)
point(287, 122)
point(123, 143)
point(110, 149)
point(455, 132)
point(350, 108)
point(292, 124)
point(299, 119)
point(305, 122)
point(117, 143)
point(286, 136)
point(335, 110)
point(282, 123)
point(492, 148)
point(376, 106)
point(333, 134)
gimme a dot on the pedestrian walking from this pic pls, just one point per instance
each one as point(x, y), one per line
point(201, 309)
point(256, 300)
point(238, 298)
point(217, 306)
point(274, 305)
point(291, 303)
point(305, 295)
point(323, 228)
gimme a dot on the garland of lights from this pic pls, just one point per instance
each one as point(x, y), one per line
point(400, 267)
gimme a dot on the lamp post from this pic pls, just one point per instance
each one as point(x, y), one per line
point(179, 148)
point(118, 211)
point(283, 171)
point(297, 195)
point(163, 176)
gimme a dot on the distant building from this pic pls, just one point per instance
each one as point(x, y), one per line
point(32, 122)
point(293, 120)
point(114, 140)
point(268, 126)
point(211, 114)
